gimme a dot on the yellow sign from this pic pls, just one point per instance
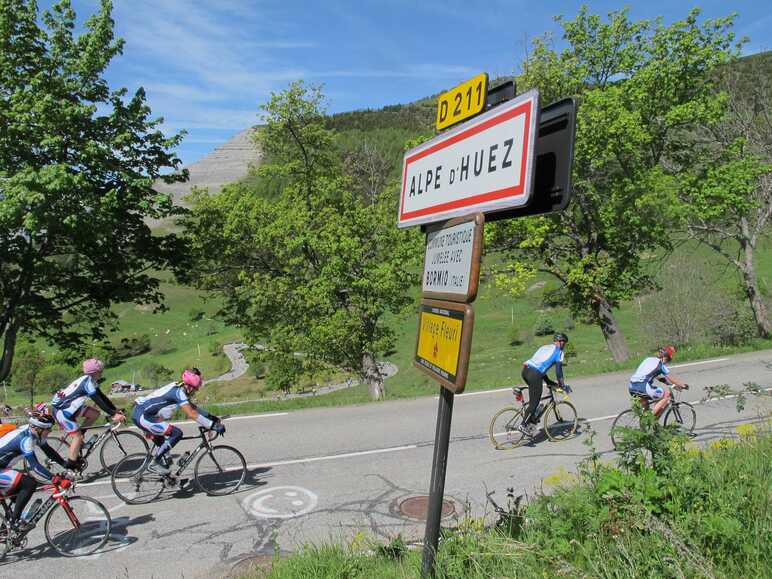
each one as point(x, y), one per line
point(444, 342)
point(462, 102)
point(439, 341)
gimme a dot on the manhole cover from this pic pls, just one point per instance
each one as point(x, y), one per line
point(418, 507)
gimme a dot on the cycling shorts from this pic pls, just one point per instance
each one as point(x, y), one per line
point(645, 388)
point(67, 423)
point(9, 480)
point(154, 428)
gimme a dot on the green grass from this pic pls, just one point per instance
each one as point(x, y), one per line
point(702, 513)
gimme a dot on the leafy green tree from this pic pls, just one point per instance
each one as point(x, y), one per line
point(26, 377)
point(77, 165)
point(728, 204)
point(640, 84)
point(313, 272)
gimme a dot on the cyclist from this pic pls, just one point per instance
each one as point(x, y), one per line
point(70, 404)
point(651, 368)
point(21, 443)
point(152, 411)
point(535, 374)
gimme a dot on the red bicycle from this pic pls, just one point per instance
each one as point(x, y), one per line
point(75, 525)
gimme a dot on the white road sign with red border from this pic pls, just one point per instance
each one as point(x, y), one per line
point(484, 165)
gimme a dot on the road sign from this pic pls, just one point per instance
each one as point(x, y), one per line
point(483, 165)
point(554, 159)
point(452, 259)
point(462, 102)
point(444, 341)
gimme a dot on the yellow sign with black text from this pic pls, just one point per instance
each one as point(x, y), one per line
point(464, 101)
point(444, 341)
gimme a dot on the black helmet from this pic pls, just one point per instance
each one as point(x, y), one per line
point(560, 337)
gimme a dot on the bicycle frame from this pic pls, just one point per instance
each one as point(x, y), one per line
point(518, 392)
point(190, 455)
point(58, 495)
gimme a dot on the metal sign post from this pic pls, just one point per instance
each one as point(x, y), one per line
point(437, 484)
point(504, 158)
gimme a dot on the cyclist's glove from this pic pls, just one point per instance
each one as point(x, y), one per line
point(218, 427)
point(567, 389)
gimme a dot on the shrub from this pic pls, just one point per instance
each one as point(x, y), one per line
point(544, 326)
point(130, 347)
point(731, 325)
point(156, 373)
point(196, 314)
point(164, 344)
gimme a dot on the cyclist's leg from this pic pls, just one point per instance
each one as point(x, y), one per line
point(89, 414)
point(67, 423)
point(661, 395)
point(534, 379)
point(13, 482)
point(163, 432)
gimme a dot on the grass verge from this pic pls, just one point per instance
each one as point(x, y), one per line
point(691, 513)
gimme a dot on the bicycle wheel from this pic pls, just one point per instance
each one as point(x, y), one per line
point(682, 415)
point(133, 483)
point(4, 534)
point(560, 421)
point(220, 471)
point(78, 527)
point(119, 446)
point(625, 419)
point(504, 428)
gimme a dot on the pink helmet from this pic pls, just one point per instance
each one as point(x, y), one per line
point(191, 379)
point(93, 366)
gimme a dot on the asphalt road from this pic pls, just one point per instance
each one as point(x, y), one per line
point(327, 474)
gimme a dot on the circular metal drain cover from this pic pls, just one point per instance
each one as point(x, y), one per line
point(418, 507)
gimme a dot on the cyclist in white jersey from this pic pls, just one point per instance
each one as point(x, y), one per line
point(535, 374)
point(152, 412)
point(69, 405)
point(647, 371)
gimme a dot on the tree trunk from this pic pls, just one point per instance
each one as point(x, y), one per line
point(373, 377)
point(751, 287)
point(615, 340)
point(9, 347)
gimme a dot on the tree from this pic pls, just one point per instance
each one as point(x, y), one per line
point(77, 165)
point(728, 204)
point(640, 85)
point(312, 272)
point(31, 364)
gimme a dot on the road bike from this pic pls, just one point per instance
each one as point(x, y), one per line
point(220, 470)
point(74, 525)
point(560, 419)
point(114, 444)
point(677, 413)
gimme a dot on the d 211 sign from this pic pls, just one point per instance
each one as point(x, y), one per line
point(444, 341)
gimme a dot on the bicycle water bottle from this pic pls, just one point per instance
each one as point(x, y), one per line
point(30, 511)
point(89, 443)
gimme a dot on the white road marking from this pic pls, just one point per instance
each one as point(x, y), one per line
point(715, 360)
point(292, 502)
point(334, 456)
point(609, 417)
point(508, 389)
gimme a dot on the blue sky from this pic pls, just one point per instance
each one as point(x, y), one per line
point(207, 66)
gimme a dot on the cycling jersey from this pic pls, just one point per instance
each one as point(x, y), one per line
point(546, 357)
point(161, 403)
point(21, 443)
point(72, 398)
point(648, 370)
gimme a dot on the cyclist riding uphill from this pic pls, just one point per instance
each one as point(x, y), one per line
point(21, 443)
point(70, 404)
point(535, 374)
point(152, 411)
point(648, 370)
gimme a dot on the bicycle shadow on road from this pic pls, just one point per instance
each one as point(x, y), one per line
point(254, 478)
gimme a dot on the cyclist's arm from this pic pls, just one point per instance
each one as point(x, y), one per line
point(53, 455)
point(103, 402)
point(676, 381)
point(199, 416)
point(32, 461)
